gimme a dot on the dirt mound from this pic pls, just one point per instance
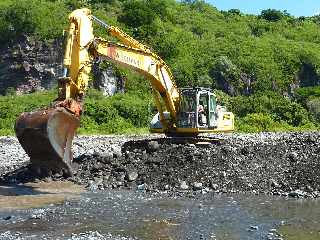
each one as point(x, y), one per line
point(281, 164)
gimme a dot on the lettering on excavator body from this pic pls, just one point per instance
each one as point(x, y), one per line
point(127, 59)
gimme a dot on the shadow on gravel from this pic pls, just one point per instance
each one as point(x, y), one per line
point(15, 190)
point(27, 174)
point(151, 145)
point(20, 175)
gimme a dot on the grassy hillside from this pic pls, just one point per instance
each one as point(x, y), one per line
point(265, 68)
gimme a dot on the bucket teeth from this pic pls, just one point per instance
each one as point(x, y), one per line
point(46, 136)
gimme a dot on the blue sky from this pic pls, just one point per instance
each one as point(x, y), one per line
point(294, 7)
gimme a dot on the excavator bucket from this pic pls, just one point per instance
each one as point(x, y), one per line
point(46, 136)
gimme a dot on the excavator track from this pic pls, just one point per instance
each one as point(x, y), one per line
point(46, 136)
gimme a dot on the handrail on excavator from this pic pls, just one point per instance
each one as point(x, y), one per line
point(102, 23)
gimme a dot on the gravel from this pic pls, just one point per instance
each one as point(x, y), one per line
point(90, 235)
point(284, 164)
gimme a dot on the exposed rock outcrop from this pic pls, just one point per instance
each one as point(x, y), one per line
point(30, 65)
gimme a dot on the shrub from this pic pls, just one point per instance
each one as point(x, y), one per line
point(136, 14)
point(119, 114)
point(281, 109)
point(134, 109)
point(255, 122)
point(100, 111)
point(272, 15)
point(32, 17)
point(12, 106)
point(306, 92)
point(314, 107)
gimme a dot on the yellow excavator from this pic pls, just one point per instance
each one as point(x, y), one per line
point(46, 135)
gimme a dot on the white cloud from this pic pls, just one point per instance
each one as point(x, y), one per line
point(317, 12)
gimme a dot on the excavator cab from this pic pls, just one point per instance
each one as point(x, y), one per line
point(198, 112)
point(197, 109)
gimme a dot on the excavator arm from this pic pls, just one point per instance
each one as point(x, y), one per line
point(149, 65)
point(82, 47)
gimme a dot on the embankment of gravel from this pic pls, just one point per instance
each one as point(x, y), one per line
point(285, 164)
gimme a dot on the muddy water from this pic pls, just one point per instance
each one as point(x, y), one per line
point(137, 215)
point(31, 195)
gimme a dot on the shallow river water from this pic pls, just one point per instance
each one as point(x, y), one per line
point(75, 214)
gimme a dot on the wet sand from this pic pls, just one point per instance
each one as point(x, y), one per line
point(39, 194)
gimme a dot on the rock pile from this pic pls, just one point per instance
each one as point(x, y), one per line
point(270, 163)
point(288, 164)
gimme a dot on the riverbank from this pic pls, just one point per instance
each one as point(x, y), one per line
point(285, 164)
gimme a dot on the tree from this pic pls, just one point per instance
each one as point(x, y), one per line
point(234, 11)
point(272, 15)
point(136, 14)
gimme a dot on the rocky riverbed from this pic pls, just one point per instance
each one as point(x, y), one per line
point(284, 164)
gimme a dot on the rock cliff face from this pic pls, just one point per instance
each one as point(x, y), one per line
point(29, 65)
point(107, 81)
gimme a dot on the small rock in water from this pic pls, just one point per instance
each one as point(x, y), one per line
point(7, 218)
point(153, 146)
point(92, 186)
point(205, 190)
point(132, 176)
point(184, 185)
point(142, 187)
point(297, 193)
point(254, 227)
point(197, 186)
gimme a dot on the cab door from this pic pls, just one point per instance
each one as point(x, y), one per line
point(202, 109)
point(212, 119)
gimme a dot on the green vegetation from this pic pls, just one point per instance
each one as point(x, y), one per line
point(266, 68)
point(12, 106)
point(123, 113)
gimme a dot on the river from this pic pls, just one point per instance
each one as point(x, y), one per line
point(72, 213)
